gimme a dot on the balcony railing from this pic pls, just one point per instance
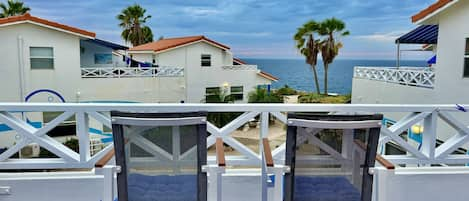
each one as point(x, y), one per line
point(410, 76)
point(17, 115)
point(121, 72)
point(240, 67)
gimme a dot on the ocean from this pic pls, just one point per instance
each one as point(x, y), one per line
point(298, 75)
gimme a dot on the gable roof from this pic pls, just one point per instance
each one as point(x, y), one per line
point(239, 61)
point(435, 8)
point(42, 22)
point(267, 76)
point(169, 43)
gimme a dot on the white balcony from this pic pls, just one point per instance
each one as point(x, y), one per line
point(413, 169)
point(122, 72)
point(410, 76)
point(240, 67)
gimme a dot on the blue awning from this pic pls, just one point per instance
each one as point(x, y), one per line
point(432, 60)
point(108, 44)
point(425, 34)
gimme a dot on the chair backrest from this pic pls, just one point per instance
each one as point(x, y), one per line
point(330, 156)
point(161, 156)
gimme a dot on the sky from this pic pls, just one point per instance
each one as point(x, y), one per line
point(252, 28)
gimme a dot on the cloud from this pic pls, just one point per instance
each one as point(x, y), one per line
point(239, 34)
point(382, 37)
point(254, 25)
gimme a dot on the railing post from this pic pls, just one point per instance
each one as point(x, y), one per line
point(263, 134)
point(108, 185)
point(429, 135)
point(82, 128)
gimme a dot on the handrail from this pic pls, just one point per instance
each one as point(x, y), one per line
point(119, 72)
point(220, 150)
point(94, 115)
point(267, 153)
point(240, 67)
point(105, 159)
point(411, 76)
point(385, 163)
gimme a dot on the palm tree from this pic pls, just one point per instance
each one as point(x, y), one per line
point(132, 20)
point(309, 46)
point(331, 29)
point(13, 8)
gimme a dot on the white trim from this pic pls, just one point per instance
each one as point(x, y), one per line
point(47, 26)
point(172, 48)
point(436, 12)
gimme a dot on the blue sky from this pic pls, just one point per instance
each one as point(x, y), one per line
point(252, 28)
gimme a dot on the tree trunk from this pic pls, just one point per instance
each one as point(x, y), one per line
point(326, 68)
point(316, 81)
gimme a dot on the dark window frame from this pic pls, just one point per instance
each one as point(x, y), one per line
point(237, 95)
point(466, 60)
point(206, 60)
point(209, 92)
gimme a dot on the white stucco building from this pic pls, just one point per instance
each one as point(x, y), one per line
point(443, 27)
point(44, 61)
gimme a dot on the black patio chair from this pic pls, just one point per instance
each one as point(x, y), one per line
point(161, 156)
point(330, 157)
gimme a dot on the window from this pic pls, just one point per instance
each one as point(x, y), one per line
point(103, 58)
point(237, 92)
point(211, 94)
point(206, 60)
point(41, 57)
point(466, 59)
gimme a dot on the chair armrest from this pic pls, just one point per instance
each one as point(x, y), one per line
point(381, 160)
point(105, 159)
point(220, 151)
point(267, 153)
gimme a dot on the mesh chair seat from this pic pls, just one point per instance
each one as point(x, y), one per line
point(162, 188)
point(310, 188)
point(326, 159)
point(161, 156)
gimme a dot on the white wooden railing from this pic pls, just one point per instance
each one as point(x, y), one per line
point(240, 67)
point(120, 72)
point(411, 76)
point(15, 116)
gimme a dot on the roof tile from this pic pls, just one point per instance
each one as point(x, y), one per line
point(29, 17)
point(429, 10)
point(168, 43)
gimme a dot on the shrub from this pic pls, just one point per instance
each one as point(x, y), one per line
point(286, 91)
point(317, 98)
point(262, 96)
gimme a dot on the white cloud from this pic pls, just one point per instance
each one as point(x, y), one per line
point(382, 37)
point(200, 11)
point(242, 34)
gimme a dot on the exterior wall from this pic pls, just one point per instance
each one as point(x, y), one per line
point(197, 78)
point(140, 89)
point(378, 92)
point(66, 50)
point(453, 30)
point(90, 49)
point(421, 184)
point(52, 187)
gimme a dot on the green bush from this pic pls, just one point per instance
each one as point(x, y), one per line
point(319, 98)
point(220, 119)
point(71, 143)
point(262, 96)
point(286, 91)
